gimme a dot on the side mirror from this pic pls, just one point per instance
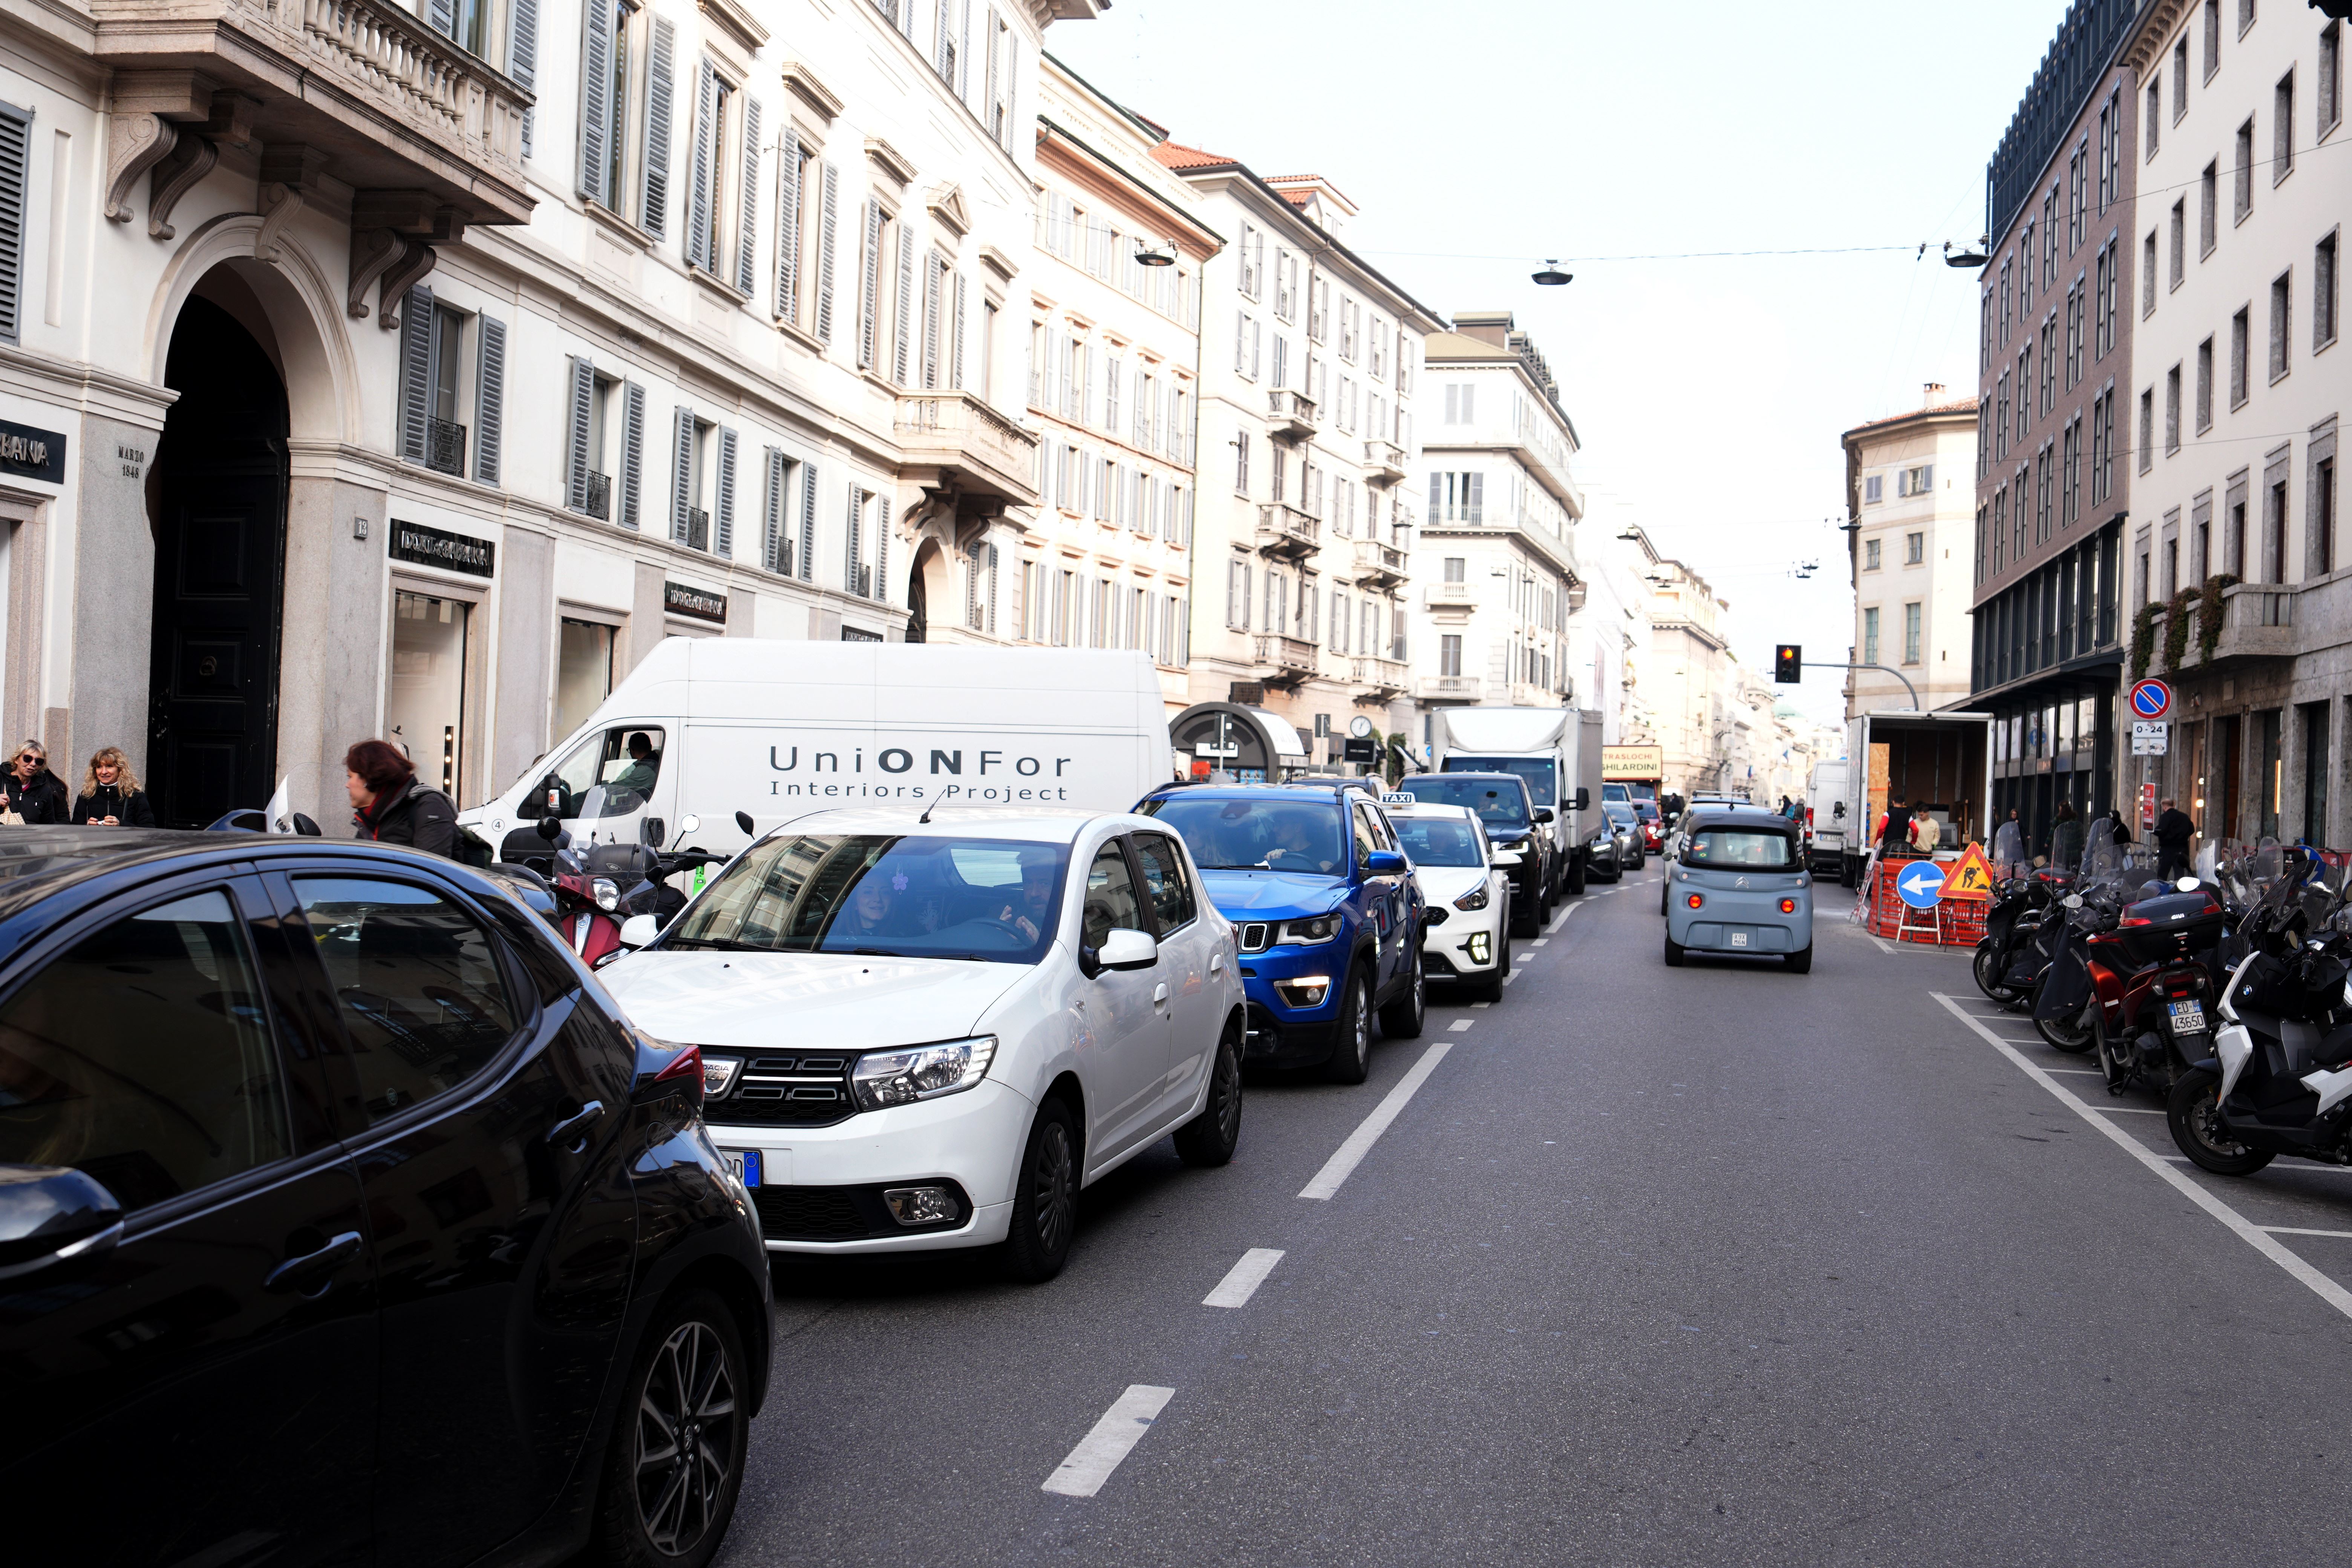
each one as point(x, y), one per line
point(1543, 814)
point(551, 828)
point(639, 930)
point(653, 830)
point(1584, 801)
point(51, 1214)
point(1125, 949)
point(688, 824)
point(306, 828)
point(1384, 863)
point(743, 821)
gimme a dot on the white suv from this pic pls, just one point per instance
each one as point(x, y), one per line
point(921, 1035)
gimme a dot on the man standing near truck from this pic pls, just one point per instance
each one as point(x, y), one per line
point(1894, 828)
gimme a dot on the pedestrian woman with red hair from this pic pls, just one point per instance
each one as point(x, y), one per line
point(390, 805)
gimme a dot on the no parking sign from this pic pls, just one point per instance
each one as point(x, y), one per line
point(2150, 699)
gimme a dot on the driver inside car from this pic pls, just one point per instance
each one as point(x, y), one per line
point(1294, 845)
point(643, 767)
point(1029, 915)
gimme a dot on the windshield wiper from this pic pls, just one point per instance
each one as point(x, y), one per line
point(724, 944)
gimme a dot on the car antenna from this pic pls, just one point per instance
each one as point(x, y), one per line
point(925, 817)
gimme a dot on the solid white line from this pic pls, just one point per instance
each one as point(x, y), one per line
point(2077, 1072)
point(2252, 1234)
point(1114, 1436)
point(2134, 1110)
point(1348, 1155)
point(2298, 1230)
point(1242, 1281)
point(1461, 1023)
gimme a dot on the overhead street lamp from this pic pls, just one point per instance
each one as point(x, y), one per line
point(1552, 276)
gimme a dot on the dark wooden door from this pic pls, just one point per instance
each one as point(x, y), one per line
point(212, 743)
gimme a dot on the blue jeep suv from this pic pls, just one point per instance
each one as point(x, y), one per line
point(1327, 910)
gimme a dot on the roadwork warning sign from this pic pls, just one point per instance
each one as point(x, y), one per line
point(1970, 876)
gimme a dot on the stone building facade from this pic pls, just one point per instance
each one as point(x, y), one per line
point(1910, 500)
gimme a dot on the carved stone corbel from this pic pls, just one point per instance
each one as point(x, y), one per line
point(279, 203)
point(372, 250)
point(416, 259)
point(135, 142)
point(175, 176)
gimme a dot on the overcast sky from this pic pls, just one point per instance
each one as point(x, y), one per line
point(1481, 137)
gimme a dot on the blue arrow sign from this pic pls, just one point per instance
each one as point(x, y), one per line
point(1920, 884)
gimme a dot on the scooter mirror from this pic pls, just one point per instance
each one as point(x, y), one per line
point(2187, 884)
point(688, 824)
point(2073, 900)
point(743, 821)
point(550, 827)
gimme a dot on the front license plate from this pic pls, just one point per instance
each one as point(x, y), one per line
point(745, 1164)
point(2188, 1018)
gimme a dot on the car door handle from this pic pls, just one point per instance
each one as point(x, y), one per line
point(291, 1274)
point(561, 1134)
point(1160, 993)
point(1216, 962)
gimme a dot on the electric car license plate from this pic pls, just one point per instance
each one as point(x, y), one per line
point(2188, 1018)
point(745, 1164)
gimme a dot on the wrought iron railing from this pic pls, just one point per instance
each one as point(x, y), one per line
point(444, 446)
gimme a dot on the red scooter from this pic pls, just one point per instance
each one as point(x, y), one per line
point(2155, 986)
point(600, 887)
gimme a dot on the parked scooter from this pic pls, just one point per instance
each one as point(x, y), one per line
point(2280, 1078)
point(2023, 896)
point(2112, 875)
point(2153, 977)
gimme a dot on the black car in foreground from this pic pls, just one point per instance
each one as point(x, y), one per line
point(343, 1219)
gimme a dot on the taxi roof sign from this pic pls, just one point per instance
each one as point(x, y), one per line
point(1970, 876)
point(1398, 797)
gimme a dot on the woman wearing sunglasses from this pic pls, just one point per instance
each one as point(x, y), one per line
point(37, 797)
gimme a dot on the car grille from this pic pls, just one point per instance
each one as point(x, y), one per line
point(1255, 936)
point(786, 1091)
point(809, 1214)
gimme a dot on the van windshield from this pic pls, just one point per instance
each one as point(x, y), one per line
point(1493, 799)
point(988, 900)
point(1539, 772)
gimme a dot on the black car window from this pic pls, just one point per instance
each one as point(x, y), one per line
point(142, 1057)
point(1743, 847)
point(1111, 902)
point(1164, 881)
point(1367, 840)
point(417, 984)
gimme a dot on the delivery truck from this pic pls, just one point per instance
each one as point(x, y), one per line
point(1941, 764)
point(1828, 817)
point(710, 726)
point(1556, 750)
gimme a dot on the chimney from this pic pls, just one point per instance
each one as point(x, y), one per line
point(1935, 389)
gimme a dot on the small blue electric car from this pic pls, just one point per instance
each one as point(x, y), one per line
point(1740, 887)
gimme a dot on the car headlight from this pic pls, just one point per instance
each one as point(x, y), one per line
point(1307, 933)
point(606, 892)
point(1478, 897)
point(919, 1072)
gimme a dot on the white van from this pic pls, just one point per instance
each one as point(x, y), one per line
point(711, 726)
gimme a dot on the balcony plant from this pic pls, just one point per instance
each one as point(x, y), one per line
point(2176, 628)
point(2209, 613)
point(2142, 642)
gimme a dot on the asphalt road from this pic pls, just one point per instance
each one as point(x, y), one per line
point(1710, 1265)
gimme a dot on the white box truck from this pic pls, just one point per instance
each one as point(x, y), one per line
point(1556, 750)
point(711, 726)
point(1941, 764)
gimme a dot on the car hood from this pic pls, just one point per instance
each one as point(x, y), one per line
point(1444, 884)
point(752, 1001)
point(1271, 895)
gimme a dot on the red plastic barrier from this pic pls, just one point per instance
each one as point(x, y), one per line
point(1958, 922)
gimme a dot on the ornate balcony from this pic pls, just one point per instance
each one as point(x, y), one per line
point(1378, 565)
point(1383, 463)
point(1447, 688)
point(1284, 532)
point(428, 137)
point(1291, 415)
point(955, 442)
point(1462, 593)
point(1284, 661)
point(1385, 677)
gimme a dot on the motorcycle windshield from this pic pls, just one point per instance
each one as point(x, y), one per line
point(2100, 838)
point(2009, 849)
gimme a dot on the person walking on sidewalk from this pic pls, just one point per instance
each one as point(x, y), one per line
point(111, 795)
point(391, 805)
point(2173, 831)
point(37, 797)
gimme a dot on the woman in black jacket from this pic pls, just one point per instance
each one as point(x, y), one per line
point(391, 805)
point(111, 795)
point(35, 795)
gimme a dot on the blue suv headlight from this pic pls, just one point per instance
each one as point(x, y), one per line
point(1309, 932)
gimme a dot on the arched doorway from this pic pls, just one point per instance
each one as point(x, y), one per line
point(220, 552)
point(926, 575)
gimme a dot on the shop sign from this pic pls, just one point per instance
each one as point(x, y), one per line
point(1625, 762)
point(694, 604)
point(31, 454)
point(451, 551)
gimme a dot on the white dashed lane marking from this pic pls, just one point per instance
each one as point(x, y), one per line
point(1461, 1023)
point(1114, 1437)
point(1350, 1154)
point(1242, 1281)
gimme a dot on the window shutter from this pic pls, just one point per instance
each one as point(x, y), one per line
point(869, 284)
point(15, 147)
point(788, 225)
point(698, 225)
point(660, 90)
point(771, 512)
point(576, 463)
point(882, 550)
point(632, 452)
point(681, 475)
point(856, 521)
point(722, 516)
point(1241, 345)
point(415, 370)
point(931, 275)
point(1143, 409)
point(522, 58)
point(595, 82)
point(943, 50)
point(747, 244)
point(824, 240)
point(955, 359)
point(902, 345)
point(490, 400)
point(441, 15)
point(807, 563)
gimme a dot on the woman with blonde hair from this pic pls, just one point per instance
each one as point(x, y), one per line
point(111, 795)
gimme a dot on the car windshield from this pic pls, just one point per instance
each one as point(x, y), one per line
point(1270, 834)
point(882, 894)
point(1439, 840)
point(1618, 816)
point(1745, 848)
point(1647, 811)
point(1537, 771)
point(1494, 800)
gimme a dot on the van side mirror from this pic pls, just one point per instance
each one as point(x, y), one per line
point(653, 830)
point(743, 821)
point(1543, 814)
point(1584, 801)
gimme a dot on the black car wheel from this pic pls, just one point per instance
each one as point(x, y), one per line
point(1575, 874)
point(1045, 1198)
point(1351, 1040)
point(678, 1446)
point(1402, 1018)
point(1527, 915)
point(1209, 1138)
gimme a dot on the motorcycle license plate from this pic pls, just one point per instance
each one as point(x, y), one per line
point(2188, 1018)
point(745, 1164)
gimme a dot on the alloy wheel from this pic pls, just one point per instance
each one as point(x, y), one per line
point(1051, 1188)
point(686, 1439)
point(1228, 1092)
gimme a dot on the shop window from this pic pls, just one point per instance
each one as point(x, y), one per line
point(584, 672)
point(425, 704)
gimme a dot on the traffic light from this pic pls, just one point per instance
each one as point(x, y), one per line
point(1787, 663)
